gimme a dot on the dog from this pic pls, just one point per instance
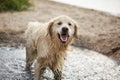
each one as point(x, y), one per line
point(48, 43)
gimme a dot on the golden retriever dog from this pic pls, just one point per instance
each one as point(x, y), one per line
point(47, 43)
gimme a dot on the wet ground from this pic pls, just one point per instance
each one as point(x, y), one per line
point(81, 64)
point(12, 64)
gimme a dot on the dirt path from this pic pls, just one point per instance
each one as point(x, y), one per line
point(97, 30)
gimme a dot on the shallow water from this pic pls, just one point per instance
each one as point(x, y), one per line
point(81, 64)
point(111, 6)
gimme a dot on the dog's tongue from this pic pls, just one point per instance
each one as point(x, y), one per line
point(63, 38)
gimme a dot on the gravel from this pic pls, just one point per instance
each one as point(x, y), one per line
point(81, 64)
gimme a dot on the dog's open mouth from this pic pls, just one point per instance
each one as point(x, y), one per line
point(63, 37)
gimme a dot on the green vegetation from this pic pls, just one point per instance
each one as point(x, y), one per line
point(14, 5)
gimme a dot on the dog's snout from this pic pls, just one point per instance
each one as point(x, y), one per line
point(65, 29)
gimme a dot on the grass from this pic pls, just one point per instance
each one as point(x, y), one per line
point(14, 5)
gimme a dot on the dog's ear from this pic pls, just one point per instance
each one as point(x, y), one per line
point(76, 31)
point(50, 24)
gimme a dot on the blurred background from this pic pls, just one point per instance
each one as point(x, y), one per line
point(111, 6)
point(94, 56)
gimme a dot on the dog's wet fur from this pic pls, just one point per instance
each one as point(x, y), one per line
point(48, 42)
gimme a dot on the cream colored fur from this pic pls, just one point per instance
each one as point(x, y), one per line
point(44, 45)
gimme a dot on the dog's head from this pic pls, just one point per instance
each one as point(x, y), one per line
point(62, 28)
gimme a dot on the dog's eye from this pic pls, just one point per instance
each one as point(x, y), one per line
point(59, 23)
point(69, 24)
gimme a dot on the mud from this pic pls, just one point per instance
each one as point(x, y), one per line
point(81, 64)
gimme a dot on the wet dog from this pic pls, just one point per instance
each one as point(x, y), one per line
point(48, 42)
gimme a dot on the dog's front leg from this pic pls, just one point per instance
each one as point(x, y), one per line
point(39, 70)
point(57, 74)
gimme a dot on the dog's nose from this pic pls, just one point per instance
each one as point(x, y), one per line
point(65, 29)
